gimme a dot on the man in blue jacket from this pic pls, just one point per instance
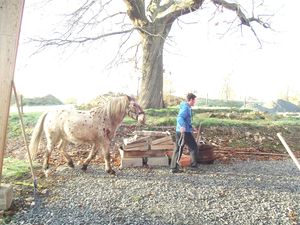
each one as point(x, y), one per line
point(184, 134)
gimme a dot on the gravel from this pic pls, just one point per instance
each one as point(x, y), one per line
point(253, 192)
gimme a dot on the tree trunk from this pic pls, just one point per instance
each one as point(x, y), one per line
point(152, 74)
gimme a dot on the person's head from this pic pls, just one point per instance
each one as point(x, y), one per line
point(191, 99)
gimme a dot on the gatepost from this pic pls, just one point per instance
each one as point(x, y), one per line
point(11, 12)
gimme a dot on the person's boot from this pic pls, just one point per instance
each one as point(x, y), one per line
point(194, 159)
point(174, 165)
point(176, 169)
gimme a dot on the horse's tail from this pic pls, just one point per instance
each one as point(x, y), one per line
point(36, 135)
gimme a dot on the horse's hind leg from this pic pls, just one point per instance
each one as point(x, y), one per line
point(106, 154)
point(92, 154)
point(62, 148)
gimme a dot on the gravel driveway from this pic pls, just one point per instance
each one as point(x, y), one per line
point(254, 192)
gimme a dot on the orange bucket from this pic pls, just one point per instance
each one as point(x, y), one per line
point(185, 160)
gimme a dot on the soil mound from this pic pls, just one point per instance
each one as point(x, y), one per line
point(279, 106)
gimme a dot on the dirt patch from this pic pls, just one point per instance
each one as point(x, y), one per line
point(231, 144)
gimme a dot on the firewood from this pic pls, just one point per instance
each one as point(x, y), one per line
point(140, 148)
point(136, 145)
point(151, 133)
point(167, 139)
point(136, 140)
point(162, 147)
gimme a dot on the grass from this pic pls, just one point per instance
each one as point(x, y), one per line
point(167, 117)
point(15, 168)
point(14, 125)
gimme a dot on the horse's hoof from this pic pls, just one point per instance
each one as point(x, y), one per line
point(84, 167)
point(111, 172)
point(71, 164)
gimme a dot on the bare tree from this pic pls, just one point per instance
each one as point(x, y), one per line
point(153, 20)
point(227, 91)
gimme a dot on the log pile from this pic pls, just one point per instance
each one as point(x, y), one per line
point(146, 148)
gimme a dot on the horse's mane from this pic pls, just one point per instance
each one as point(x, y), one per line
point(117, 107)
point(113, 107)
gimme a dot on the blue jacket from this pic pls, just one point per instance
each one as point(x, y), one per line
point(184, 118)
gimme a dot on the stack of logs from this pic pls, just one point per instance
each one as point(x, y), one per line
point(146, 148)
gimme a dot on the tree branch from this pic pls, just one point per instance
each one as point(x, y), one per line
point(237, 8)
point(79, 40)
point(136, 12)
point(180, 8)
point(242, 17)
point(155, 10)
point(234, 7)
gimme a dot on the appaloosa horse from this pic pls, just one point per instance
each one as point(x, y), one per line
point(97, 126)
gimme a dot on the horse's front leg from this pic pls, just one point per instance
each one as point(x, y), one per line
point(106, 154)
point(50, 147)
point(92, 155)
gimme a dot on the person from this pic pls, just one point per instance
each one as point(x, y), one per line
point(184, 134)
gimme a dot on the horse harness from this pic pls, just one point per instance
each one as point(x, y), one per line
point(134, 114)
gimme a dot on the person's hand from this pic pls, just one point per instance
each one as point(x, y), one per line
point(182, 129)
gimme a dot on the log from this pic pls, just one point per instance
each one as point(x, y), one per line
point(141, 148)
point(251, 153)
point(135, 145)
point(135, 140)
point(129, 140)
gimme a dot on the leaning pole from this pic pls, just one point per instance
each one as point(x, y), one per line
point(11, 12)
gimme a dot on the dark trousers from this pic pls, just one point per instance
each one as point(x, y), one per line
point(189, 140)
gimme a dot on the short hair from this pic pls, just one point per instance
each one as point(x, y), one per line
point(190, 96)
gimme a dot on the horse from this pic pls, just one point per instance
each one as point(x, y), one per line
point(96, 126)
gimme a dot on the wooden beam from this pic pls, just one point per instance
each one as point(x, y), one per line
point(250, 153)
point(151, 133)
point(167, 139)
point(162, 147)
point(11, 12)
point(137, 153)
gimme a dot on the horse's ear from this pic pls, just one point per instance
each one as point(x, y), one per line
point(129, 98)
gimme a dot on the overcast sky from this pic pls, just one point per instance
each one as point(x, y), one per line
point(197, 59)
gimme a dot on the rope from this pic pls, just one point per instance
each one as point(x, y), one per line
point(25, 140)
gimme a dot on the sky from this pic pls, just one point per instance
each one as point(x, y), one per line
point(199, 58)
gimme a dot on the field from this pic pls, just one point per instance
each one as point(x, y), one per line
point(225, 128)
point(236, 135)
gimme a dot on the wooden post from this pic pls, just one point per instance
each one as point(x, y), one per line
point(289, 150)
point(11, 12)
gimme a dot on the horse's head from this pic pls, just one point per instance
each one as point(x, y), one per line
point(136, 112)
